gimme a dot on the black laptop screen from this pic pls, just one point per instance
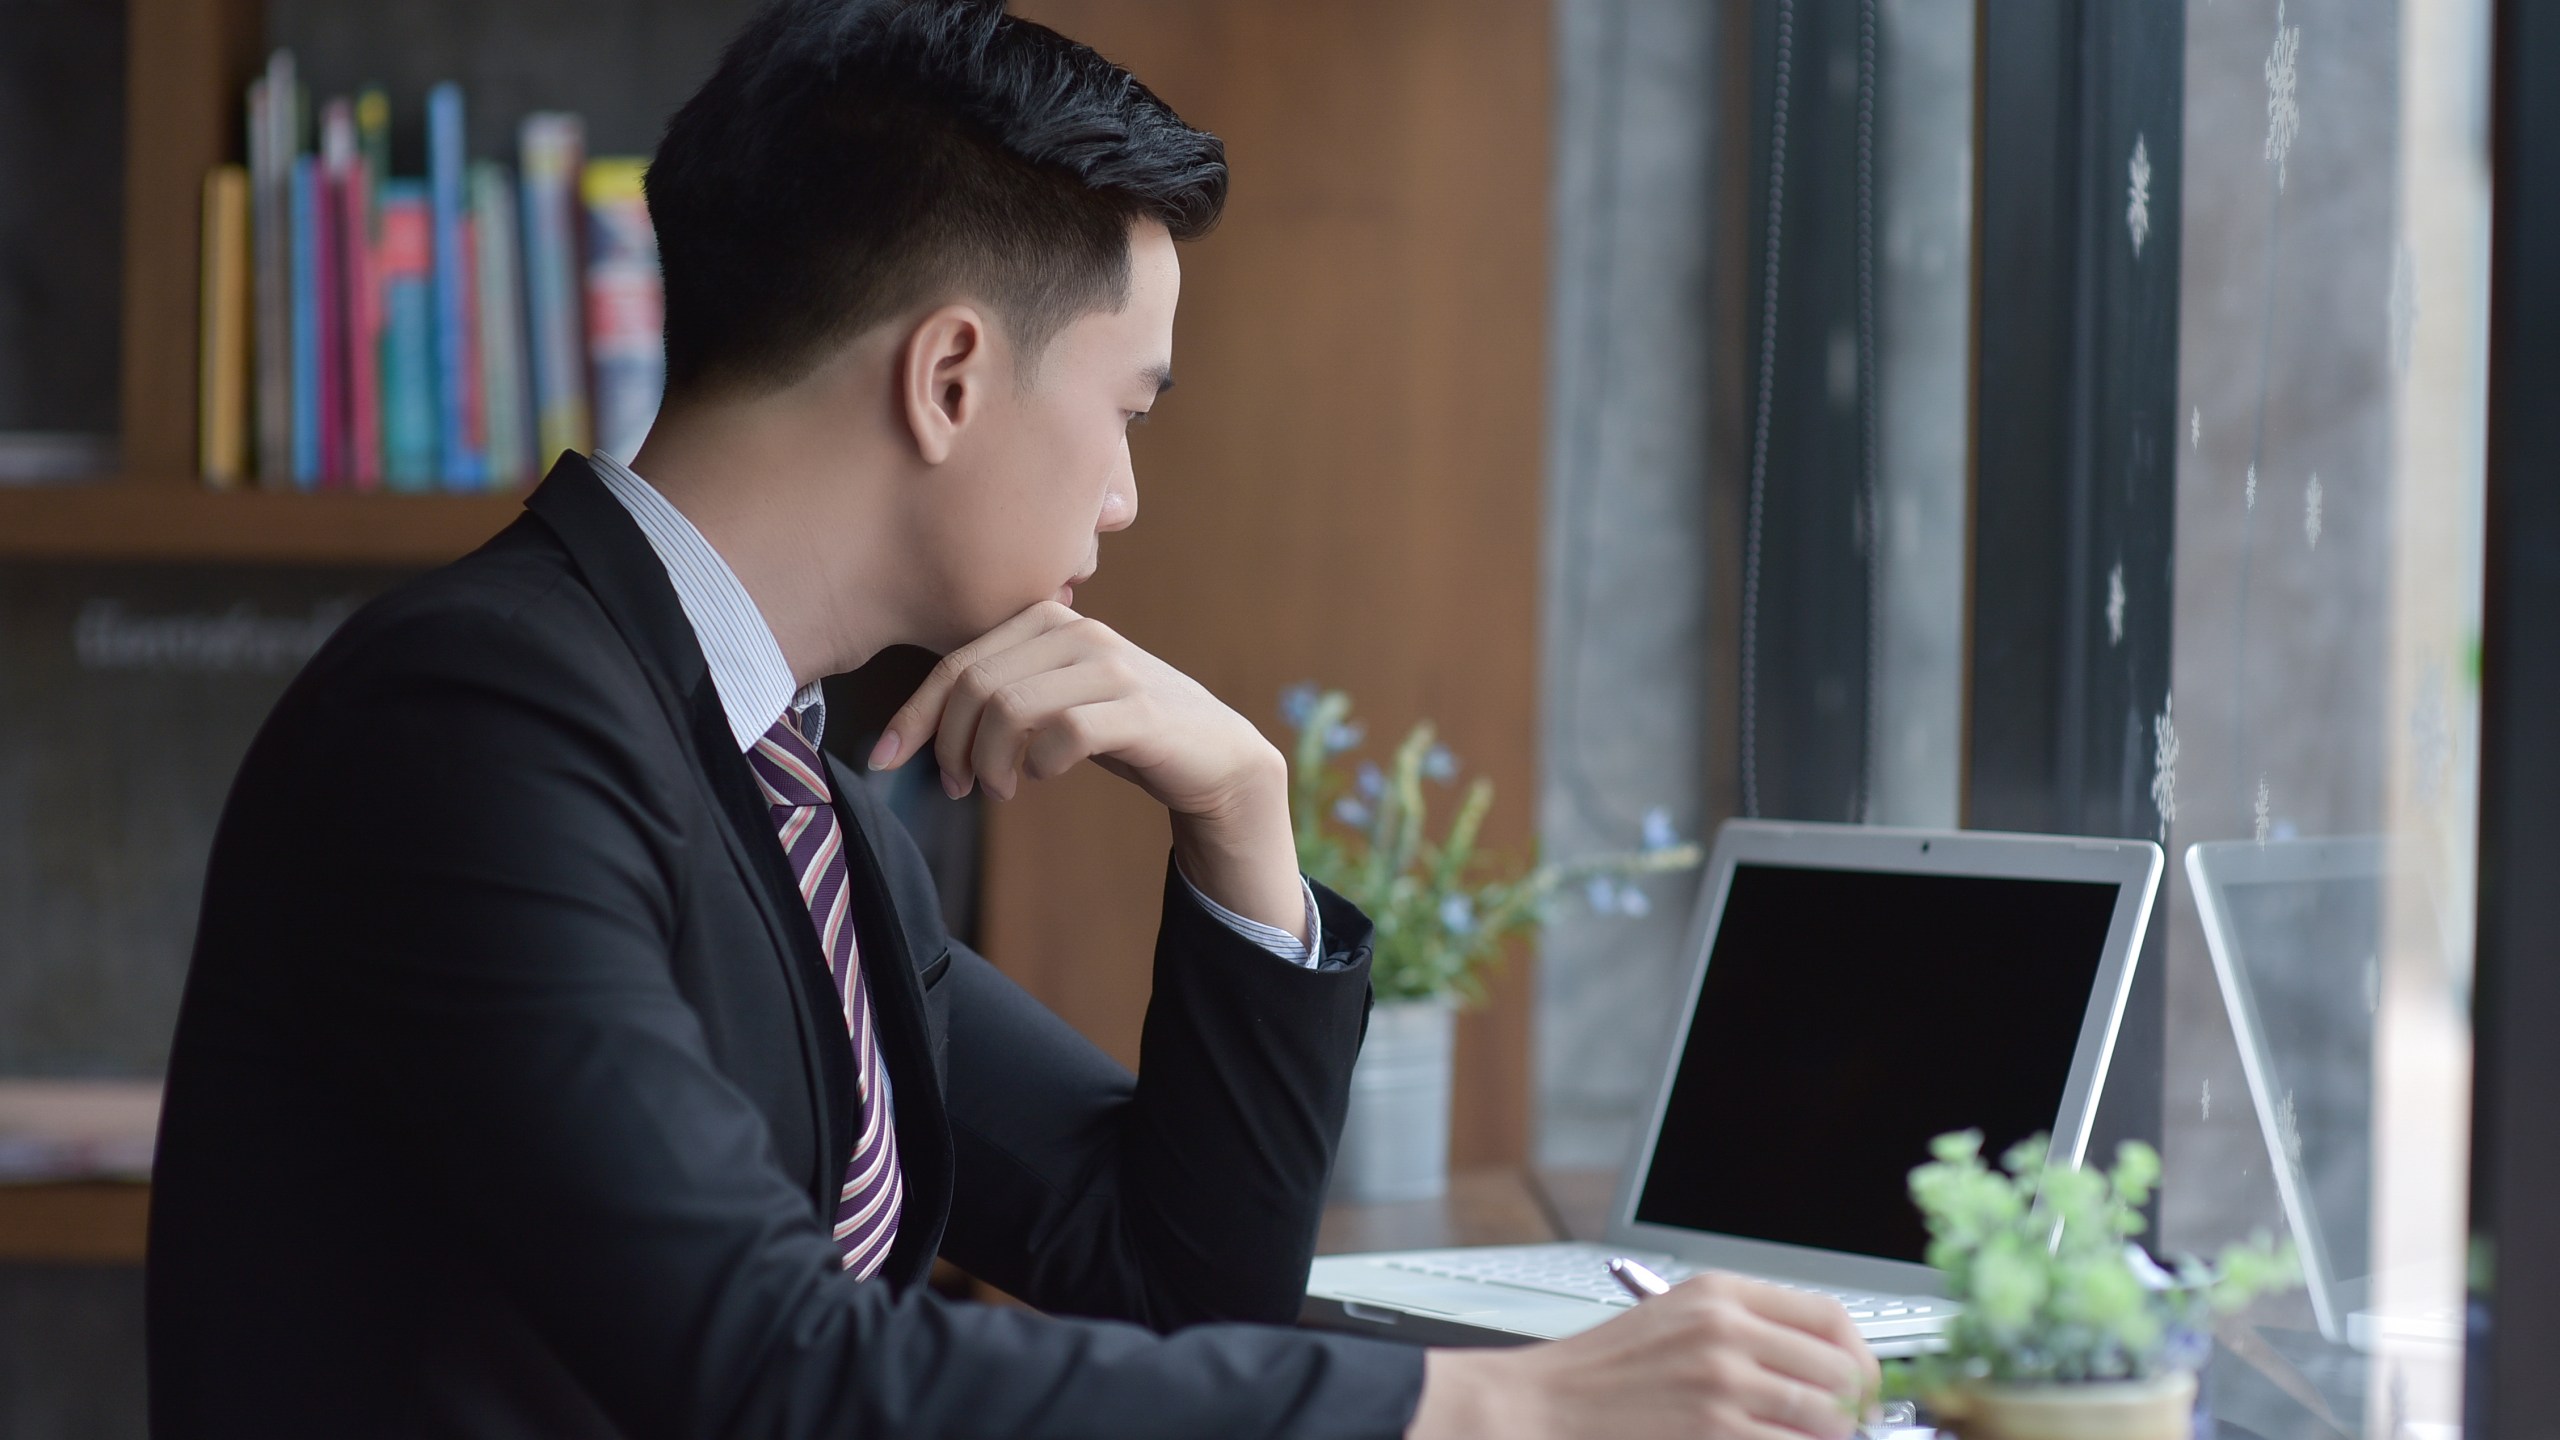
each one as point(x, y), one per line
point(1846, 1017)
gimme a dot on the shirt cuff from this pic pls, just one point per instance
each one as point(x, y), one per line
point(1307, 954)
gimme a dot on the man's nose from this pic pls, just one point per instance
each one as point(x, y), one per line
point(1119, 507)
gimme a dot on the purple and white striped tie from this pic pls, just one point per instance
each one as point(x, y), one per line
point(794, 782)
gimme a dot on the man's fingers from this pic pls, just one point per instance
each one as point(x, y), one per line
point(1810, 1359)
point(1014, 716)
point(1080, 734)
point(917, 720)
point(1815, 1315)
point(1796, 1407)
point(964, 708)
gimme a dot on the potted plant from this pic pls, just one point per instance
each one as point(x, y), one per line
point(1442, 911)
point(2070, 1330)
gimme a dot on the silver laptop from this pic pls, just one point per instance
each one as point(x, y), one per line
point(2295, 928)
point(1853, 993)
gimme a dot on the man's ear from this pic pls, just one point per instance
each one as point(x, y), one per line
point(945, 373)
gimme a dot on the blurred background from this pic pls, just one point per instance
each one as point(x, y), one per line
point(2055, 415)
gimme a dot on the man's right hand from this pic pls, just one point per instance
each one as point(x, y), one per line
point(1718, 1358)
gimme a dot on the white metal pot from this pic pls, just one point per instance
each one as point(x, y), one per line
point(1395, 1141)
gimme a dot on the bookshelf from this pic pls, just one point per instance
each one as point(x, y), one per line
point(187, 65)
point(174, 518)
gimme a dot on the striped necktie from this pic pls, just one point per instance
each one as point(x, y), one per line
point(794, 782)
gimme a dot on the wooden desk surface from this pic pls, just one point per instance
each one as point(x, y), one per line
point(102, 1222)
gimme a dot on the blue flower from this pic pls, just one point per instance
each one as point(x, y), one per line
point(1658, 834)
point(1439, 764)
point(1632, 901)
point(1298, 704)
point(1373, 781)
point(1345, 736)
point(1458, 915)
point(1602, 893)
point(1350, 812)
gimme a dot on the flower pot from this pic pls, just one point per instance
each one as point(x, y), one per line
point(2160, 1409)
point(1395, 1140)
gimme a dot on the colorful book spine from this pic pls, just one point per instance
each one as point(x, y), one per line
point(361, 296)
point(274, 104)
point(222, 379)
point(307, 356)
point(329, 280)
point(552, 148)
point(410, 420)
point(373, 140)
point(465, 468)
point(505, 393)
point(626, 306)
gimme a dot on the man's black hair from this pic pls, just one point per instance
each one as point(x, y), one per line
point(853, 159)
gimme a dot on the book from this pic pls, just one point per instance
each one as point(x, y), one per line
point(552, 150)
point(304, 216)
point(457, 371)
point(410, 418)
point(359, 465)
point(505, 391)
point(373, 141)
point(222, 365)
point(274, 103)
point(626, 306)
point(328, 281)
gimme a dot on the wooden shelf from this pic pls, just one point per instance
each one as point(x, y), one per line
point(161, 518)
point(86, 1222)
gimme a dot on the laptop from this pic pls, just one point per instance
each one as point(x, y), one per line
point(1853, 993)
point(2295, 928)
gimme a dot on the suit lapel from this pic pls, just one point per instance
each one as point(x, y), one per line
point(631, 583)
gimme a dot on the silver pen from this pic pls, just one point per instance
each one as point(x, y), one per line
point(1637, 1278)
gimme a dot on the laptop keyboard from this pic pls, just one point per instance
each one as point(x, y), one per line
point(1583, 1275)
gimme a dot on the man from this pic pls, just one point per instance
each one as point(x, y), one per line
point(571, 1049)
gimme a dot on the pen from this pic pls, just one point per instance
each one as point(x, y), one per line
point(1637, 1278)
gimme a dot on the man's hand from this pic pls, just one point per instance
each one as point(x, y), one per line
point(1050, 687)
point(1718, 1358)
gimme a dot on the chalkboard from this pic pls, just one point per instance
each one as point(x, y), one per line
point(128, 695)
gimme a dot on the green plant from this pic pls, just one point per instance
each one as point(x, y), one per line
point(2055, 1289)
point(1441, 908)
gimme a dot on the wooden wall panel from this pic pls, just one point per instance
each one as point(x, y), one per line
point(1346, 485)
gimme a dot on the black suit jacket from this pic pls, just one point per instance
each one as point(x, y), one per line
point(510, 1094)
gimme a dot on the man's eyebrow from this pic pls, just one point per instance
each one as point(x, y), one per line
point(1161, 374)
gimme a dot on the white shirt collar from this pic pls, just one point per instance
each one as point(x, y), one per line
point(746, 663)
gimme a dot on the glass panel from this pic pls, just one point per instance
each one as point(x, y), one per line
point(2317, 762)
point(1924, 204)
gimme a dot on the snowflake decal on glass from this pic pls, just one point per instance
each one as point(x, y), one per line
point(2284, 111)
point(2311, 511)
point(2137, 208)
point(2164, 764)
point(2249, 492)
point(2208, 1098)
point(2115, 604)
point(2263, 810)
point(2195, 427)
